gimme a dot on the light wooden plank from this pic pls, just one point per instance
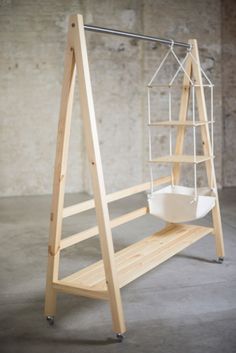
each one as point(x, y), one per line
point(87, 205)
point(95, 164)
point(155, 258)
point(60, 177)
point(165, 235)
point(177, 123)
point(83, 291)
point(201, 104)
point(129, 255)
point(88, 233)
point(180, 159)
point(139, 258)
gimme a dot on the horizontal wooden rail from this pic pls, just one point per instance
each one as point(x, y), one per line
point(89, 233)
point(87, 205)
point(80, 290)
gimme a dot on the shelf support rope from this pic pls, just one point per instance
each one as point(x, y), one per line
point(159, 68)
point(150, 139)
point(170, 131)
point(194, 144)
point(212, 133)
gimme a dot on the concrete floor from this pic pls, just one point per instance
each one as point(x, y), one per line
point(187, 304)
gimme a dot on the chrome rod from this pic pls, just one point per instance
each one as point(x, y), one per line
point(135, 36)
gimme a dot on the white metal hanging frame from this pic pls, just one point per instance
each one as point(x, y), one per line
point(193, 85)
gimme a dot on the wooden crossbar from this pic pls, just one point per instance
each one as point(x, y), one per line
point(89, 233)
point(80, 290)
point(88, 205)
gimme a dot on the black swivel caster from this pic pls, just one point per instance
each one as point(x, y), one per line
point(119, 337)
point(50, 320)
point(220, 260)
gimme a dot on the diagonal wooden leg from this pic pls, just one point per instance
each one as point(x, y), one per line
point(59, 178)
point(93, 152)
point(201, 103)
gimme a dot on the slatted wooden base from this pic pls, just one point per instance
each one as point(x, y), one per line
point(133, 261)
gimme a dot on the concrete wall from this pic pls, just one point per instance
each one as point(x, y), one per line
point(228, 90)
point(32, 39)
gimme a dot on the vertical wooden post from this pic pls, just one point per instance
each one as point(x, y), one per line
point(182, 117)
point(201, 104)
point(93, 151)
point(59, 177)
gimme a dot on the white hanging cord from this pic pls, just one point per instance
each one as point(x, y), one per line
point(170, 131)
point(194, 144)
point(150, 140)
point(149, 107)
point(159, 67)
point(203, 72)
point(212, 137)
point(181, 66)
point(170, 119)
point(151, 178)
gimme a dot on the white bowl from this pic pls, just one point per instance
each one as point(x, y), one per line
point(177, 204)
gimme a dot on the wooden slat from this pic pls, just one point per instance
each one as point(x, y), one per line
point(139, 258)
point(88, 233)
point(95, 271)
point(201, 104)
point(60, 170)
point(83, 291)
point(186, 123)
point(87, 205)
point(180, 159)
point(96, 170)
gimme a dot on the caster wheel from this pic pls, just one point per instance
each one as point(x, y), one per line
point(119, 337)
point(220, 260)
point(50, 320)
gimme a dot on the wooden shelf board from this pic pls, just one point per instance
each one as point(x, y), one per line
point(187, 123)
point(139, 258)
point(180, 159)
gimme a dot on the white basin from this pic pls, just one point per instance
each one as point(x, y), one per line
point(176, 204)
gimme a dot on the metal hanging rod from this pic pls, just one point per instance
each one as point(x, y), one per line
point(135, 36)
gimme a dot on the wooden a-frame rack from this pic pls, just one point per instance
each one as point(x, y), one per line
point(104, 279)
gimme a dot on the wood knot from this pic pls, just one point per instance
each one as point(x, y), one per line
point(51, 252)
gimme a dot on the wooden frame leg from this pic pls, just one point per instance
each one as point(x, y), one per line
point(59, 178)
point(95, 164)
point(218, 232)
point(210, 169)
point(51, 294)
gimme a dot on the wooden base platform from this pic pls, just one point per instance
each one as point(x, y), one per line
point(133, 261)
